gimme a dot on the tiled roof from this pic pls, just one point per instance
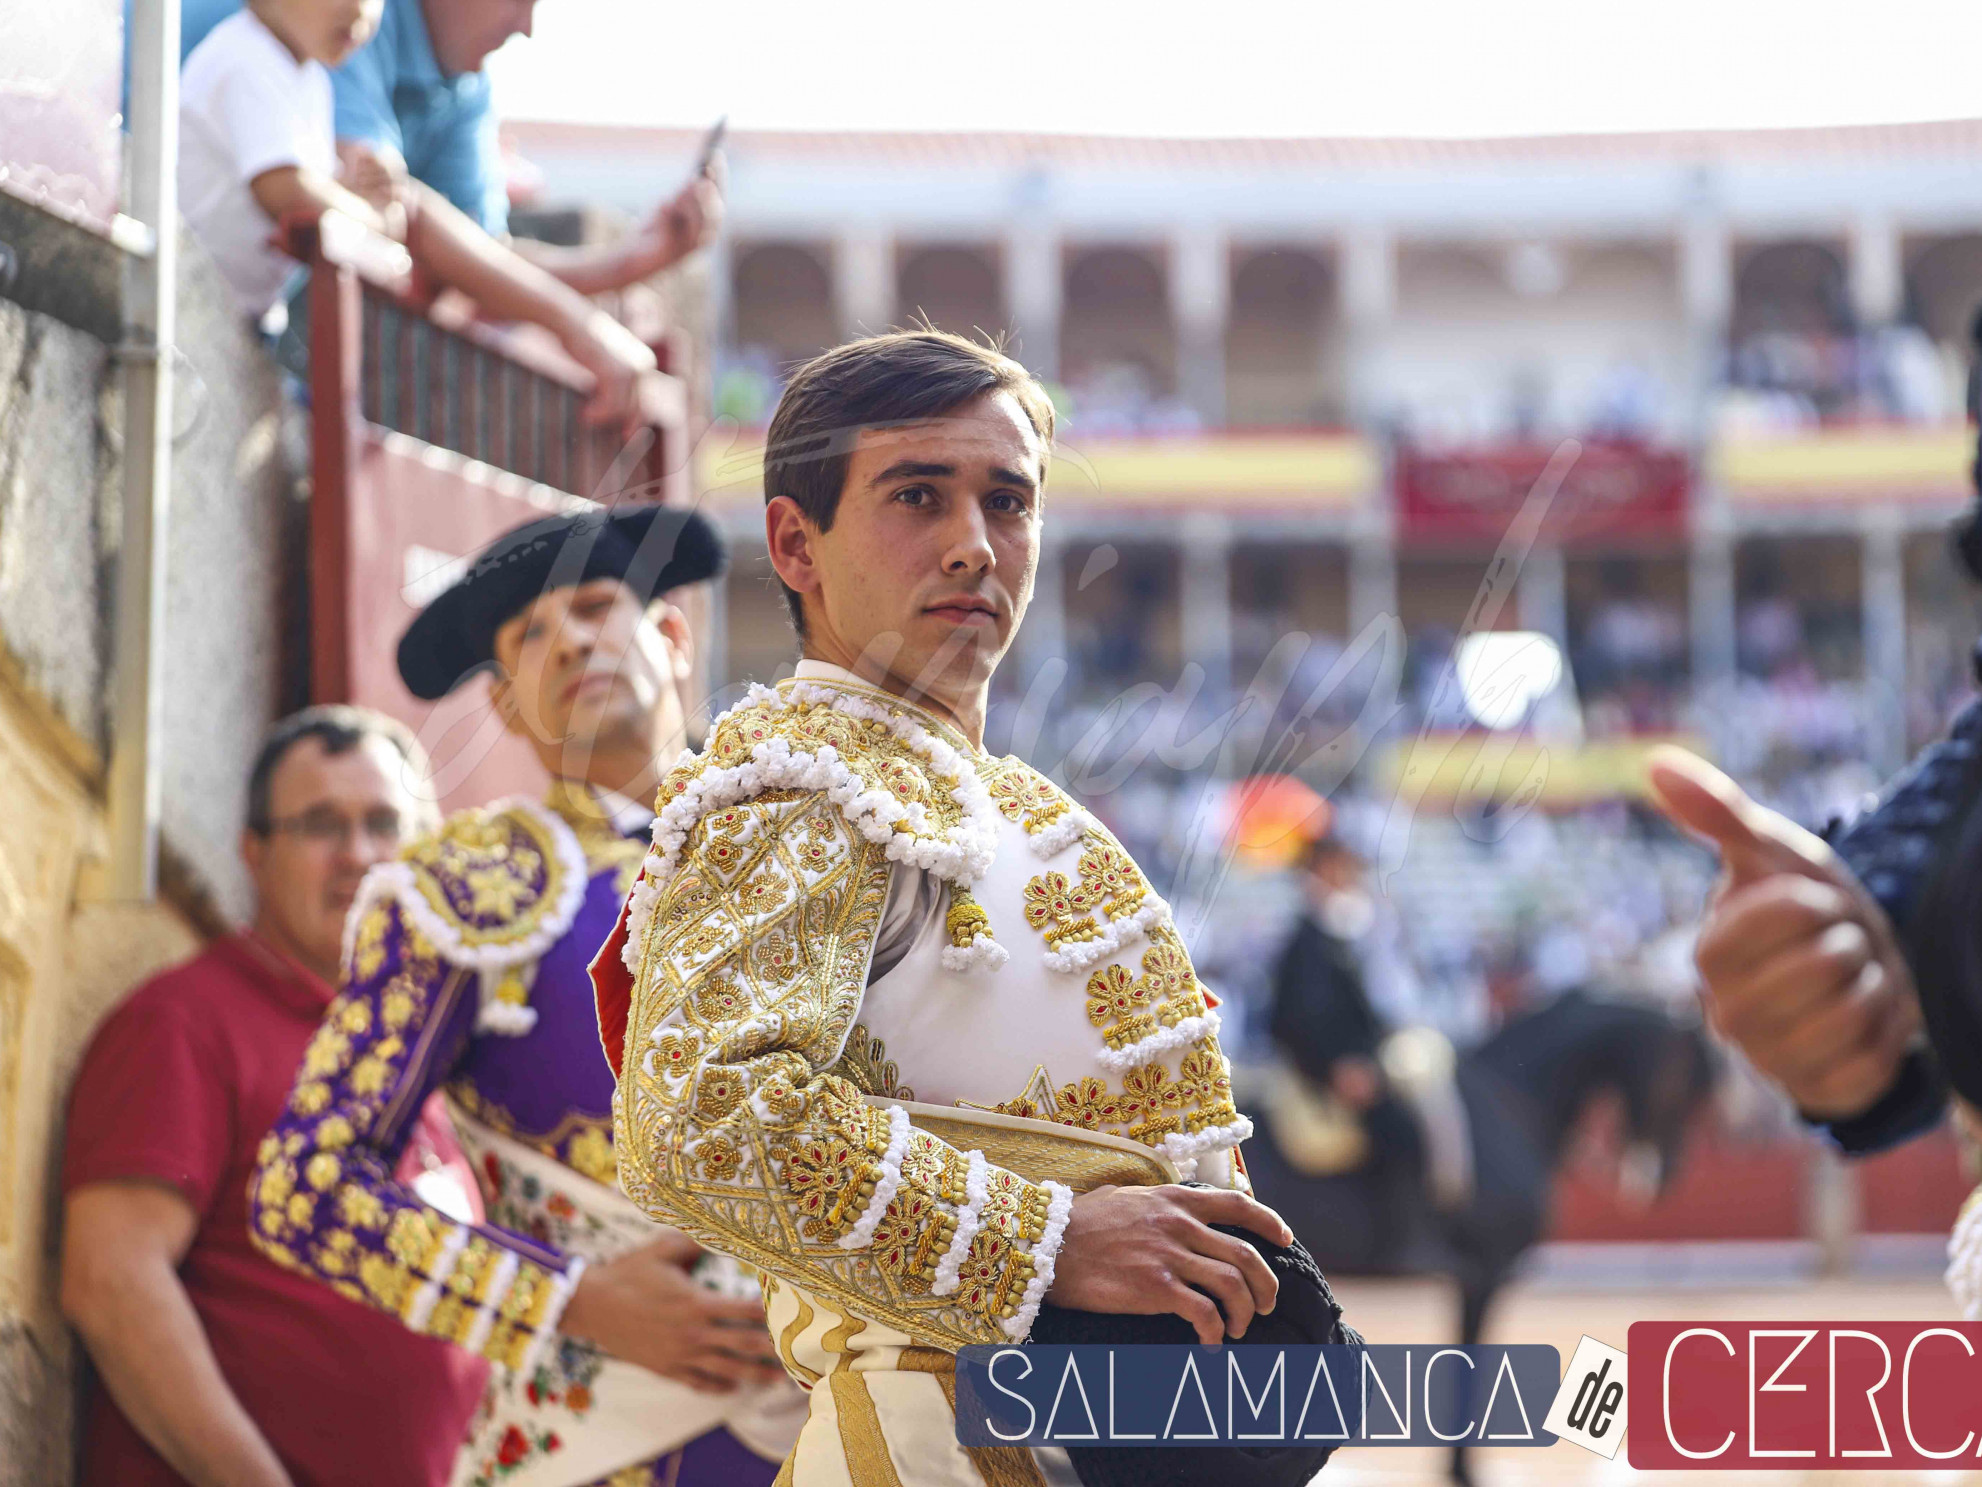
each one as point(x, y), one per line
point(995, 150)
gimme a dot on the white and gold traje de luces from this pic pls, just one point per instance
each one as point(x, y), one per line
point(898, 1151)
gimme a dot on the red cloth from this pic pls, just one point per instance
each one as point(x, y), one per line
point(612, 991)
point(179, 1085)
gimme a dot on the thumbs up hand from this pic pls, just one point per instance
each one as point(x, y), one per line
point(1801, 967)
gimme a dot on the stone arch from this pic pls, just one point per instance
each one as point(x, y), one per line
point(783, 298)
point(1799, 287)
point(1944, 287)
point(1116, 314)
point(1277, 338)
point(953, 288)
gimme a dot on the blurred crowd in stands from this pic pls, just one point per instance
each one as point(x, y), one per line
point(1797, 379)
point(1484, 909)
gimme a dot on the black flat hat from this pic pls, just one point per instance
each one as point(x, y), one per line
point(649, 548)
point(1305, 1312)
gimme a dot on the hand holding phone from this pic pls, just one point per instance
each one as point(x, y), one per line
point(711, 142)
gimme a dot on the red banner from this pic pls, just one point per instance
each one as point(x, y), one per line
point(1605, 492)
point(1805, 1396)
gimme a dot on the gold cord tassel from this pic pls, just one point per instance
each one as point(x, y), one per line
point(966, 919)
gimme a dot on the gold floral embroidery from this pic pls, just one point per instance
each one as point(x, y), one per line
point(360, 1208)
point(721, 998)
point(395, 1008)
point(1106, 879)
point(703, 940)
point(1013, 1208)
point(767, 891)
point(825, 1177)
point(717, 1159)
point(1111, 879)
point(328, 1053)
point(934, 1167)
point(911, 1238)
point(821, 725)
point(904, 776)
point(675, 1052)
point(1026, 797)
point(483, 853)
point(368, 947)
point(417, 1238)
point(1173, 987)
point(387, 1283)
point(1205, 1078)
point(1118, 1003)
point(777, 958)
point(719, 1093)
point(993, 1275)
point(590, 1154)
point(322, 1171)
point(1058, 910)
point(865, 1063)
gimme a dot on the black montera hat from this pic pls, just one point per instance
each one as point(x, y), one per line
point(1306, 1311)
point(649, 548)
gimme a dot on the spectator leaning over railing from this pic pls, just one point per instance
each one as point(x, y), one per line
point(256, 146)
point(416, 102)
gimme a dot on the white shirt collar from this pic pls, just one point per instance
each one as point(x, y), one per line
point(826, 671)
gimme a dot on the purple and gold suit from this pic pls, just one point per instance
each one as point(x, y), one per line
point(465, 971)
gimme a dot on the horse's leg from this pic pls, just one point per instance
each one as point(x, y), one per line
point(1476, 1290)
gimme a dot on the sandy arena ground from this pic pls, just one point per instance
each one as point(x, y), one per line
point(1559, 1312)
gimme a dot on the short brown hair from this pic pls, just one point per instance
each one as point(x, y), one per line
point(879, 380)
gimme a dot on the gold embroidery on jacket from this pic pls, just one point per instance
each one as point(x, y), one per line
point(1028, 798)
point(865, 1062)
point(739, 1115)
point(1106, 879)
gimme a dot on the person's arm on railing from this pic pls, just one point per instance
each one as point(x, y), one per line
point(457, 253)
point(681, 224)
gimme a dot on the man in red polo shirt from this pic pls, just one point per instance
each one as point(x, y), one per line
point(216, 1365)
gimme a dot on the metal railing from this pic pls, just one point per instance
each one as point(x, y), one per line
point(387, 358)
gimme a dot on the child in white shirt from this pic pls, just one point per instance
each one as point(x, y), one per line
point(252, 103)
point(257, 146)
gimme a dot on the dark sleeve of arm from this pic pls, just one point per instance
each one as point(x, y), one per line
point(1913, 1104)
point(1307, 1021)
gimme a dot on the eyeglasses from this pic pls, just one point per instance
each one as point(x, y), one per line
point(325, 828)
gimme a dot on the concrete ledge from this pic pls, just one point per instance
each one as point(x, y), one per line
point(61, 270)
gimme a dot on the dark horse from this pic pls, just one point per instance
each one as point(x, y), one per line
point(1524, 1090)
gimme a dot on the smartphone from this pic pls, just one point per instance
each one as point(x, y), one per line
point(711, 142)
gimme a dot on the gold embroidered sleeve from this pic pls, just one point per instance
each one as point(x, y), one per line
point(323, 1199)
point(728, 1126)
